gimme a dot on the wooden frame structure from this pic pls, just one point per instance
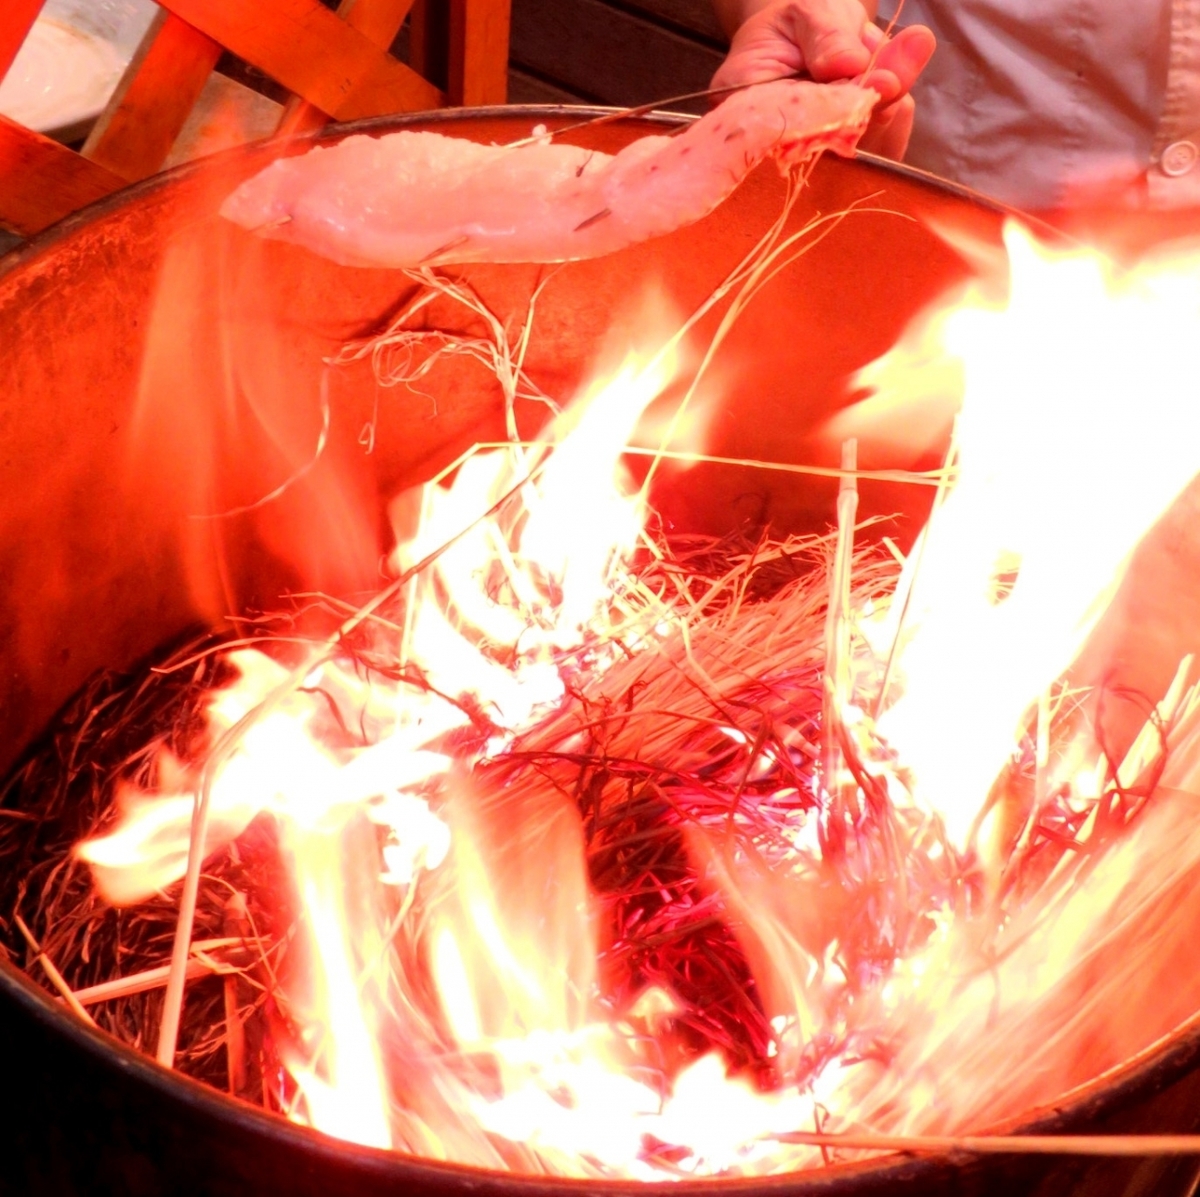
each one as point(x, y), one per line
point(336, 65)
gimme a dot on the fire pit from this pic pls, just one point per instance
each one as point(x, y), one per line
point(168, 376)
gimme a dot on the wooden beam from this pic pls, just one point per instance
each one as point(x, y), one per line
point(608, 54)
point(378, 21)
point(15, 25)
point(528, 89)
point(478, 65)
point(160, 87)
point(308, 49)
point(687, 15)
point(42, 181)
point(429, 40)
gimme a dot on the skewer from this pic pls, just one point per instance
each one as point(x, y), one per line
point(706, 93)
point(621, 114)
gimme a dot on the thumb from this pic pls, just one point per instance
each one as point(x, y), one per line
point(900, 61)
point(890, 129)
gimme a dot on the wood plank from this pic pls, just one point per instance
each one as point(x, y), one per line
point(695, 17)
point(378, 21)
point(308, 49)
point(478, 66)
point(160, 87)
point(429, 40)
point(42, 181)
point(589, 48)
point(524, 88)
point(15, 25)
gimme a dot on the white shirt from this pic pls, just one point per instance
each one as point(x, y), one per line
point(1048, 103)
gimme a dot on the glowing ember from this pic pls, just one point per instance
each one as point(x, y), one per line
point(548, 787)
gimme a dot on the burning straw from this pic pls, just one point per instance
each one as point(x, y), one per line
point(566, 840)
point(105, 742)
point(663, 748)
point(704, 746)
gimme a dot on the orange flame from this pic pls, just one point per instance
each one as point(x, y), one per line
point(1071, 442)
point(516, 1052)
point(484, 621)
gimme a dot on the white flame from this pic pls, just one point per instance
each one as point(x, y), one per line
point(1073, 438)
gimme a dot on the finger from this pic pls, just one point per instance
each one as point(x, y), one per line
point(890, 129)
point(760, 50)
point(743, 69)
point(900, 61)
point(829, 35)
point(884, 82)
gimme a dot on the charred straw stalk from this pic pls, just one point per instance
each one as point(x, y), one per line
point(237, 924)
point(56, 978)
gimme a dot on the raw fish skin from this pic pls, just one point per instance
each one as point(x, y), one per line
point(413, 198)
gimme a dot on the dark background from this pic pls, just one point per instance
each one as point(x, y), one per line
point(599, 52)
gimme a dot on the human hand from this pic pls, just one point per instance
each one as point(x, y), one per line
point(827, 40)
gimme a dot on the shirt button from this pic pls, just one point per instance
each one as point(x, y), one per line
point(1178, 158)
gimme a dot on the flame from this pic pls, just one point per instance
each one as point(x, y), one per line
point(1073, 435)
point(1071, 441)
point(452, 1000)
point(498, 600)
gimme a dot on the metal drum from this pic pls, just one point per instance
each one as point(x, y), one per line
point(161, 371)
